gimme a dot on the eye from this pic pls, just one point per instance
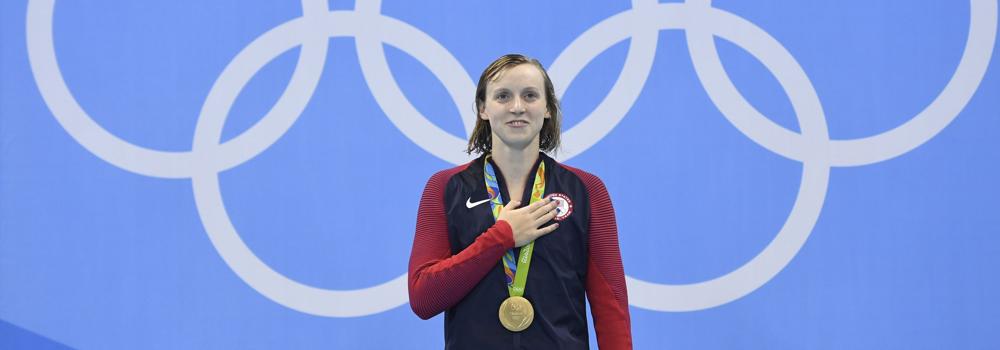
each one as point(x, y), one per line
point(502, 96)
point(531, 96)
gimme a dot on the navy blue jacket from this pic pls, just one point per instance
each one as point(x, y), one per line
point(455, 263)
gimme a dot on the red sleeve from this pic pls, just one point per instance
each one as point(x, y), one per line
point(438, 279)
point(605, 274)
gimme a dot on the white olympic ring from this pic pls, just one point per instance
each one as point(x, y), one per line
point(701, 23)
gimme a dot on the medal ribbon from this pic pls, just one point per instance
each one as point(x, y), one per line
point(516, 271)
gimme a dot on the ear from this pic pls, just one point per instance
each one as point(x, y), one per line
point(483, 115)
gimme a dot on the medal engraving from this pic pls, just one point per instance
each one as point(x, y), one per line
point(516, 314)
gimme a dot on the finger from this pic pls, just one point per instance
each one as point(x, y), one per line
point(545, 210)
point(539, 221)
point(540, 205)
point(536, 205)
point(547, 229)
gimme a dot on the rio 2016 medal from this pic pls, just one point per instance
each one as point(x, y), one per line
point(516, 314)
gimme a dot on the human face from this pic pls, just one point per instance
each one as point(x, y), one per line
point(515, 107)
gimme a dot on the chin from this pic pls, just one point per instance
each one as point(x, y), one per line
point(517, 138)
point(516, 142)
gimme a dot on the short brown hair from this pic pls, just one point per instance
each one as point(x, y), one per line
point(481, 140)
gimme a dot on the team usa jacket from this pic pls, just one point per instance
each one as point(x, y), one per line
point(455, 264)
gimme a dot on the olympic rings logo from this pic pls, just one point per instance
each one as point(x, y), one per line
point(697, 18)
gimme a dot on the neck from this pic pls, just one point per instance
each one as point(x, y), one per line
point(515, 163)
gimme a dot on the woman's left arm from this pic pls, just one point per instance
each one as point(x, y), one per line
point(605, 275)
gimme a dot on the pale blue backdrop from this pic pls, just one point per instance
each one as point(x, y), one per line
point(105, 249)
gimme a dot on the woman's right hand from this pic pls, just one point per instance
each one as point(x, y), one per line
point(526, 222)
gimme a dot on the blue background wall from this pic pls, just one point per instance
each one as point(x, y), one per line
point(890, 237)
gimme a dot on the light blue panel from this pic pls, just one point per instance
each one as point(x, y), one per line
point(902, 252)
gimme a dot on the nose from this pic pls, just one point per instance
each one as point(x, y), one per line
point(517, 107)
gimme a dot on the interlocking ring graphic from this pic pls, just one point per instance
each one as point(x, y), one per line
point(697, 18)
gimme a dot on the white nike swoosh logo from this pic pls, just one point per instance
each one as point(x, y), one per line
point(469, 204)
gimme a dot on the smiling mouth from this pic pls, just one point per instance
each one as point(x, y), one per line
point(518, 123)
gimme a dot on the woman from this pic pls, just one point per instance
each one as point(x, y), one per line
point(472, 253)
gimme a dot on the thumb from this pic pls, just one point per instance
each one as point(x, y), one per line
point(511, 205)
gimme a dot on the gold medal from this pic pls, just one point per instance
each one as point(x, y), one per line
point(516, 314)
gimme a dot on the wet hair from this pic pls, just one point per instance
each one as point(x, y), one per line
point(481, 140)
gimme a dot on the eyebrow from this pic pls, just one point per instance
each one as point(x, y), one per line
point(528, 88)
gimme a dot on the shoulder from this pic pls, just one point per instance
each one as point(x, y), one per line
point(444, 175)
point(592, 182)
point(441, 183)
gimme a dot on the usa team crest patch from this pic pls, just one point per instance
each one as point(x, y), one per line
point(565, 206)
